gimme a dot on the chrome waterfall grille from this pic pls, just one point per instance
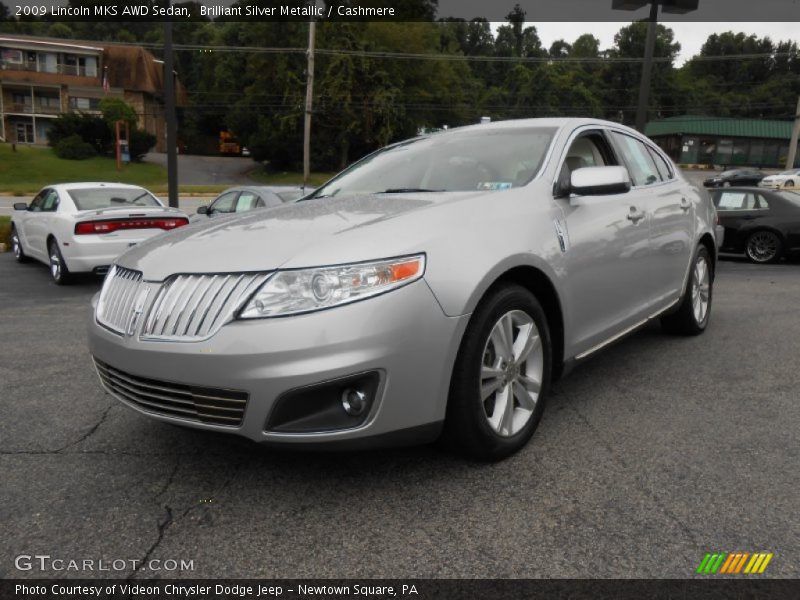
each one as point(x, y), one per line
point(115, 309)
point(194, 307)
point(208, 405)
point(184, 307)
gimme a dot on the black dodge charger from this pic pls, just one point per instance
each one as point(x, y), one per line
point(763, 224)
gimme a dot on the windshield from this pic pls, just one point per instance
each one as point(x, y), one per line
point(96, 198)
point(490, 159)
point(727, 173)
point(792, 172)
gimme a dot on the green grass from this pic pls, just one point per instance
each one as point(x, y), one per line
point(265, 176)
point(29, 169)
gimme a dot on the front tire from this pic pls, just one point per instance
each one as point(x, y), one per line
point(16, 246)
point(763, 247)
point(694, 310)
point(789, 184)
point(58, 268)
point(501, 376)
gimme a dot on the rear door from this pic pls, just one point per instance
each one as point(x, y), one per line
point(668, 202)
point(738, 211)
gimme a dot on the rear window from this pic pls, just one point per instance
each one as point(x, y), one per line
point(97, 198)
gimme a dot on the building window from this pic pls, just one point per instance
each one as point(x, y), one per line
point(84, 103)
point(11, 56)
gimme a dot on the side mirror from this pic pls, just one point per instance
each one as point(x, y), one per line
point(20, 206)
point(600, 181)
point(202, 210)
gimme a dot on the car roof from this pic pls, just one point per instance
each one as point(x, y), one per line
point(262, 188)
point(86, 185)
point(560, 122)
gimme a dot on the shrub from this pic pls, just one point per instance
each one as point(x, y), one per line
point(89, 128)
point(73, 148)
point(140, 144)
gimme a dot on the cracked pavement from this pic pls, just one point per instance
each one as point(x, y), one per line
point(649, 455)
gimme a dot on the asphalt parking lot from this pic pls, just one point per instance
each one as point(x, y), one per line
point(648, 456)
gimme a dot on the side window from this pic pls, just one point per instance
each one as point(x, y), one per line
point(762, 202)
point(50, 203)
point(642, 169)
point(590, 150)
point(247, 201)
point(36, 203)
point(663, 168)
point(736, 201)
point(224, 204)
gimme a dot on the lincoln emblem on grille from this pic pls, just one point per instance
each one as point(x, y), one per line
point(138, 309)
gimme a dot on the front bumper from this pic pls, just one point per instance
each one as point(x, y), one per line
point(403, 335)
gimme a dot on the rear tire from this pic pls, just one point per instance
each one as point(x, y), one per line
point(58, 268)
point(16, 246)
point(763, 247)
point(694, 310)
point(498, 387)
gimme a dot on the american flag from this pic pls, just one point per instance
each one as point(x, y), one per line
point(106, 86)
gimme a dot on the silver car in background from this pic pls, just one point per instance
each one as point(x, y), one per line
point(437, 286)
point(246, 198)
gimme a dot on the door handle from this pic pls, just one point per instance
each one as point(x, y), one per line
point(635, 215)
point(685, 204)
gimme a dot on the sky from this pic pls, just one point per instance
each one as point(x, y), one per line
point(690, 35)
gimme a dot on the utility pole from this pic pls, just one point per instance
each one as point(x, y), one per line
point(169, 108)
point(795, 135)
point(647, 68)
point(312, 33)
point(668, 6)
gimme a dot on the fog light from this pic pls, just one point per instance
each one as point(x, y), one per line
point(354, 402)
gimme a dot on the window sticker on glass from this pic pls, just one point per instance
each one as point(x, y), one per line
point(494, 185)
point(731, 201)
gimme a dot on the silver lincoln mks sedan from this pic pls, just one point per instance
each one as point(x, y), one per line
point(435, 288)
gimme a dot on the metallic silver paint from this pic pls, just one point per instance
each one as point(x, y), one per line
point(611, 275)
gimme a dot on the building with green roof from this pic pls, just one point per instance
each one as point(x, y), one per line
point(722, 141)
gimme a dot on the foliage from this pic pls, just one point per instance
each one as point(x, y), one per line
point(364, 101)
point(73, 147)
point(90, 129)
point(116, 109)
point(141, 143)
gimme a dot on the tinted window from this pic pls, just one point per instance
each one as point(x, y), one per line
point(736, 201)
point(36, 203)
point(641, 167)
point(107, 197)
point(472, 159)
point(50, 202)
point(224, 204)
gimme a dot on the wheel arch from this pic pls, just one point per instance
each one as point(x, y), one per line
point(540, 285)
point(707, 240)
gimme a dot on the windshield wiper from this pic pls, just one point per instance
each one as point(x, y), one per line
point(407, 191)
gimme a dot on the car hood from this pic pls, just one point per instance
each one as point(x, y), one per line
point(308, 233)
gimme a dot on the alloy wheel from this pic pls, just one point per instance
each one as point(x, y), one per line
point(700, 289)
point(55, 263)
point(511, 373)
point(15, 245)
point(762, 246)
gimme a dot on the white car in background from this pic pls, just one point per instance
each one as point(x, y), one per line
point(786, 179)
point(83, 227)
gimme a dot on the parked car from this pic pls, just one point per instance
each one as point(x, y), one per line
point(83, 227)
point(438, 285)
point(785, 179)
point(245, 198)
point(735, 177)
point(763, 224)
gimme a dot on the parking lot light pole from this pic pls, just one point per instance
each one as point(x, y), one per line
point(795, 135)
point(169, 109)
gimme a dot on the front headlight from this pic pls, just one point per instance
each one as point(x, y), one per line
point(307, 290)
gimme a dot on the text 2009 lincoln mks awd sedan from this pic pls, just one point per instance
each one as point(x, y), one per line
point(436, 287)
